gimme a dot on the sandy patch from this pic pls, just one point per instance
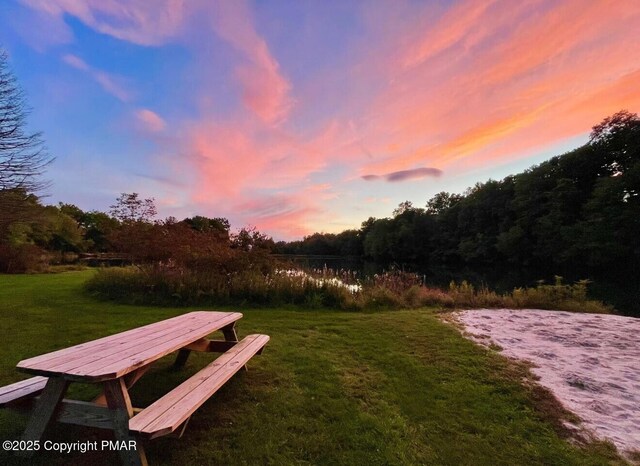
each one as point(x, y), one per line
point(591, 362)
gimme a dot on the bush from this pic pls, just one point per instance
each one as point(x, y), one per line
point(395, 281)
point(170, 284)
point(22, 258)
point(379, 297)
point(558, 296)
point(421, 296)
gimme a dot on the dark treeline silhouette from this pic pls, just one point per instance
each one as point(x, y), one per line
point(577, 214)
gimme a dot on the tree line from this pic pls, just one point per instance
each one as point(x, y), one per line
point(579, 210)
point(44, 234)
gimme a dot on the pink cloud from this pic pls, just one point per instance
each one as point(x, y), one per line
point(109, 82)
point(138, 21)
point(455, 26)
point(287, 215)
point(496, 101)
point(40, 30)
point(237, 156)
point(229, 158)
point(265, 91)
point(149, 120)
point(489, 99)
point(259, 175)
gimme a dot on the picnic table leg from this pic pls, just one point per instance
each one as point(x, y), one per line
point(119, 403)
point(43, 411)
point(129, 380)
point(230, 334)
point(181, 359)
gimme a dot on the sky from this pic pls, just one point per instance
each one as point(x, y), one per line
point(309, 116)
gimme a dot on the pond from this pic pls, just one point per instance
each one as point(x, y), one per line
point(620, 290)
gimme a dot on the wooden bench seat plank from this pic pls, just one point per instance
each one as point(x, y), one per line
point(169, 412)
point(20, 390)
point(118, 355)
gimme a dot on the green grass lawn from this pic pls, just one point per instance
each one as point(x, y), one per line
point(397, 387)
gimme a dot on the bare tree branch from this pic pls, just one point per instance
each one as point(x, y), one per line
point(23, 156)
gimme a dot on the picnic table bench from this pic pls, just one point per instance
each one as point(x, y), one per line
point(116, 363)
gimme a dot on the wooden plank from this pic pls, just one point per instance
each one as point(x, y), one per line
point(172, 398)
point(118, 396)
point(119, 404)
point(118, 365)
point(21, 390)
point(90, 352)
point(199, 345)
point(84, 413)
point(132, 377)
point(179, 335)
point(105, 344)
point(81, 413)
point(213, 377)
point(86, 360)
point(183, 427)
point(153, 420)
point(112, 343)
point(96, 367)
point(43, 411)
point(159, 331)
point(169, 412)
point(202, 345)
point(129, 380)
point(85, 355)
point(230, 334)
point(106, 341)
point(211, 346)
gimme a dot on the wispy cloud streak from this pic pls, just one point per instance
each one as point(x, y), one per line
point(405, 175)
point(265, 90)
point(110, 83)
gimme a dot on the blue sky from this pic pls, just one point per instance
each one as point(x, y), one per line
point(289, 116)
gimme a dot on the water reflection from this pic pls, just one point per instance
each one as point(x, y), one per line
point(623, 292)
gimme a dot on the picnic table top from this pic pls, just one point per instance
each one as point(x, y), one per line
point(116, 355)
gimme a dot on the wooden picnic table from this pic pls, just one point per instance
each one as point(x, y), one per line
point(116, 363)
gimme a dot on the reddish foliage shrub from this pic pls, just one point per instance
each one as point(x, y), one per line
point(396, 281)
point(21, 258)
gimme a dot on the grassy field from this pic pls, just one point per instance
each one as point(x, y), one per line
point(397, 387)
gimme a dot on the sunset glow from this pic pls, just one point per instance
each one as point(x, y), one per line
point(297, 117)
